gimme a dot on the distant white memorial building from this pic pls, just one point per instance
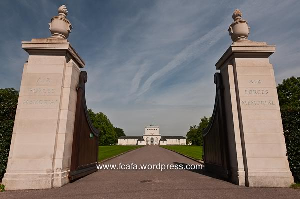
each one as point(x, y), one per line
point(152, 137)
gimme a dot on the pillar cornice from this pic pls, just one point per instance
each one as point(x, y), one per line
point(50, 46)
point(246, 49)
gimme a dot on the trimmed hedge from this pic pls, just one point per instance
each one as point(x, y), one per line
point(8, 106)
point(289, 99)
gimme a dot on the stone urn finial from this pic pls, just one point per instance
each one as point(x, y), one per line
point(60, 26)
point(62, 10)
point(239, 29)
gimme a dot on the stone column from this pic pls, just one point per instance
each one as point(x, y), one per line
point(40, 152)
point(255, 133)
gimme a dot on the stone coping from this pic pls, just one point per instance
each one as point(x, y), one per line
point(246, 49)
point(51, 44)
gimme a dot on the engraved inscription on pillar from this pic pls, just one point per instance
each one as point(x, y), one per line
point(41, 91)
point(44, 81)
point(40, 101)
point(256, 92)
point(257, 102)
point(256, 95)
point(255, 81)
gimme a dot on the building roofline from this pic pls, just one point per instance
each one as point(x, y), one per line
point(130, 137)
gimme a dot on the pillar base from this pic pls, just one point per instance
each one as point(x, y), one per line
point(238, 177)
point(270, 179)
point(17, 181)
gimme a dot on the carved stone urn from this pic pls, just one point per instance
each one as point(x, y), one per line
point(239, 29)
point(60, 26)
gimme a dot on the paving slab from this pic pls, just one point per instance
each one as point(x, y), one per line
point(152, 183)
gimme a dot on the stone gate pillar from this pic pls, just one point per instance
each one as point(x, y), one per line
point(40, 152)
point(255, 134)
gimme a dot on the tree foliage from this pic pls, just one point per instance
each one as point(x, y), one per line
point(119, 132)
point(194, 135)
point(8, 106)
point(289, 93)
point(107, 134)
point(289, 100)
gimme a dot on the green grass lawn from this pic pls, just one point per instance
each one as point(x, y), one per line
point(191, 151)
point(106, 152)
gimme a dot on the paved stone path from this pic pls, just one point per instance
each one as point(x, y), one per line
point(152, 183)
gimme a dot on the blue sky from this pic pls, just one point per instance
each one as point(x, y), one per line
point(150, 61)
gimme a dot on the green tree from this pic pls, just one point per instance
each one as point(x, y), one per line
point(289, 100)
point(119, 132)
point(204, 122)
point(107, 134)
point(289, 93)
point(192, 136)
point(8, 106)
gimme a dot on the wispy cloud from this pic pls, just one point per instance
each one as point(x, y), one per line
point(135, 83)
point(187, 54)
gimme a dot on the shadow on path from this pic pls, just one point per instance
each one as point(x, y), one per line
point(198, 168)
